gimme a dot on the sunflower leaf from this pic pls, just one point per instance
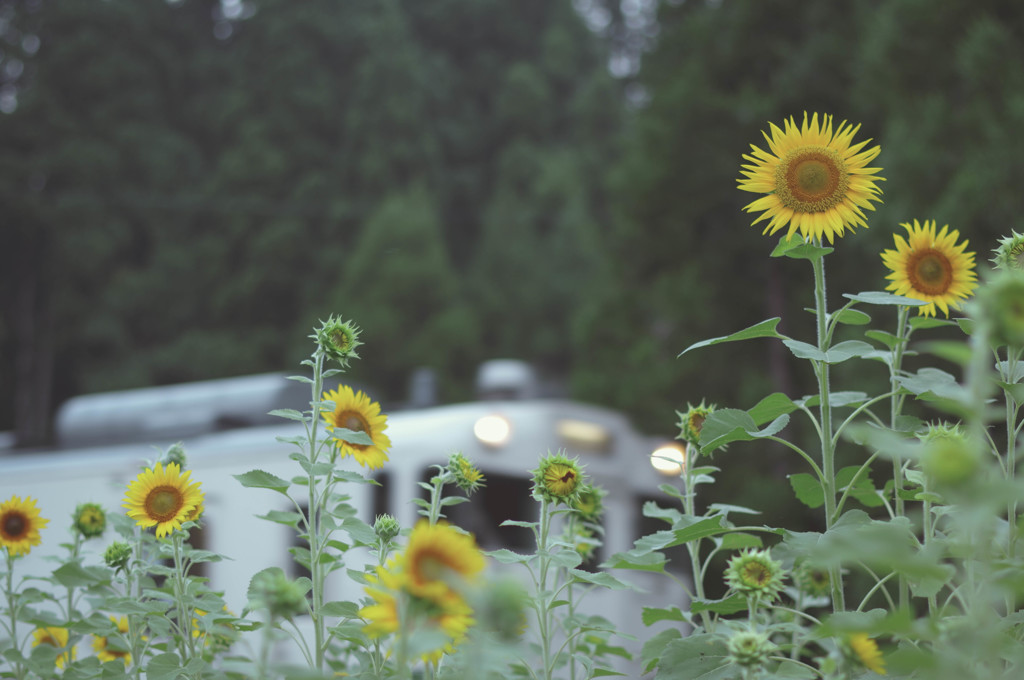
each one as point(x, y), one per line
point(287, 413)
point(351, 436)
point(929, 322)
point(260, 479)
point(771, 407)
point(799, 249)
point(731, 425)
point(701, 656)
point(877, 297)
point(765, 329)
point(730, 605)
point(851, 317)
point(807, 489)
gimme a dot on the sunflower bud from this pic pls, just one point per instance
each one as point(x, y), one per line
point(386, 527)
point(502, 608)
point(175, 453)
point(749, 648)
point(755, 574)
point(1001, 302)
point(338, 339)
point(117, 555)
point(89, 520)
point(589, 503)
point(1010, 252)
point(692, 422)
point(271, 590)
point(557, 478)
point(813, 581)
point(863, 652)
point(948, 457)
point(467, 476)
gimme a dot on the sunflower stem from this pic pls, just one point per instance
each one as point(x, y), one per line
point(903, 331)
point(12, 604)
point(314, 522)
point(825, 416)
point(693, 547)
point(543, 613)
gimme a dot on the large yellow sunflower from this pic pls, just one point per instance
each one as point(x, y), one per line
point(20, 524)
point(931, 267)
point(354, 411)
point(107, 652)
point(438, 553)
point(56, 637)
point(440, 608)
point(814, 179)
point(164, 497)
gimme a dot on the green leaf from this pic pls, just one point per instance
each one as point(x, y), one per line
point(951, 350)
point(74, 575)
point(888, 339)
point(730, 605)
point(347, 610)
point(731, 425)
point(164, 667)
point(807, 489)
point(360, 531)
point(637, 561)
point(288, 414)
point(771, 407)
point(880, 298)
point(765, 329)
point(352, 436)
point(290, 519)
point(712, 526)
point(506, 556)
point(798, 249)
point(735, 540)
point(259, 479)
point(605, 672)
point(600, 578)
point(655, 646)
point(848, 349)
point(697, 657)
point(652, 615)
point(803, 350)
point(851, 317)
point(924, 322)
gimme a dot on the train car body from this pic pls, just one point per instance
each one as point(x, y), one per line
point(504, 438)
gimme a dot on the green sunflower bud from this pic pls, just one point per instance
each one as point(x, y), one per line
point(1001, 302)
point(89, 520)
point(748, 648)
point(1010, 252)
point(557, 479)
point(271, 590)
point(117, 555)
point(755, 574)
point(467, 477)
point(386, 527)
point(589, 503)
point(175, 453)
point(692, 422)
point(948, 457)
point(338, 339)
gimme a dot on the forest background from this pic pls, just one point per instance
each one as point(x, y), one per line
point(186, 187)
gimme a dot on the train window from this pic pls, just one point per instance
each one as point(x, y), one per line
point(381, 501)
point(505, 497)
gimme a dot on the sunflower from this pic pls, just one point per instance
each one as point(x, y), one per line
point(107, 652)
point(19, 525)
point(56, 637)
point(438, 552)
point(814, 179)
point(354, 411)
point(865, 652)
point(755, 573)
point(931, 267)
point(439, 609)
point(163, 497)
point(558, 478)
point(89, 520)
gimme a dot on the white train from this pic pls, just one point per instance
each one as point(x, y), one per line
point(105, 439)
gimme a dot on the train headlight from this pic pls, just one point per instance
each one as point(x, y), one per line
point(669, 459)
point(493, 430)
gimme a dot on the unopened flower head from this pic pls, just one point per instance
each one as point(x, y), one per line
point(557, 479)
point(117, 555)
point(692, 422)
point(755, 573)
point(502, 608)
point(589, 503)
point(947, 457)
point(338, 339)
point(864, 652)
point(1010, 252)
point(812, 580)
point(273, 591)
point(89, 520)
point(19, 525)
point(386, 527)
point(1001, 305)
point(175, 453)
point(749, 648)
point(467, 476)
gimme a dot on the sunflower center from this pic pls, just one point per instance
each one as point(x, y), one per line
point(163, 503)
point(352, 420)
point(930, 272)
point(811, 179)
point(14, 525)
point(756, 574)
